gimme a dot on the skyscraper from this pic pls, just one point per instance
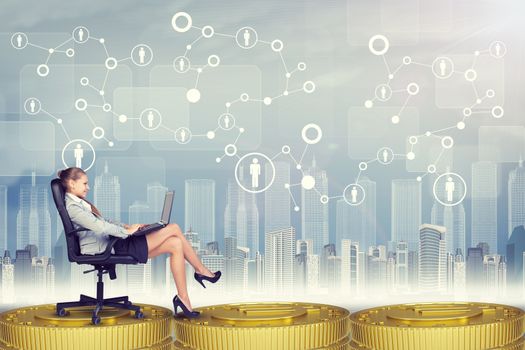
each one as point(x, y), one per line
point(515, 262)
point(33, 220)
point(314, 214)
point(474, 269)
point(406, 211)
point(247, 220)
point(358, 223)
point(199, 205)
point(432, 258)
point(485, 205)
point(279, 260)
point(453, 219)
point(277, 199)
point(401, 280)
point(3, 218)
point(107, 195)
point(516, 192)
point(230, 212)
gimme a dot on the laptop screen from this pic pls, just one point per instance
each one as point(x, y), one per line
point(168, 203)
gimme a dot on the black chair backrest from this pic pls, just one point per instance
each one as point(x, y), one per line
point(73, 246)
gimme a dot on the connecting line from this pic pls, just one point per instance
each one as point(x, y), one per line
point(386, 65)
point(444, 129)
point(225, 35)
point(237, 138)
point(358, 176)
point(318, 192)
point(277, 155)
point(165, 128)
point(421, 64)
point(64, 43)
point(284, 63)
point(439, 156)
point(404, 105)
point(395, 71)
point(475, 90)
point(124, 59)
point(90, 118)
point(62, 125)
point(293, 199)
point(37, 46)
point(48, 57)
point(304, 152)
point(105, 80)
point(105, 49)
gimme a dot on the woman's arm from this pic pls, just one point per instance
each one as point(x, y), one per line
point(99, 226)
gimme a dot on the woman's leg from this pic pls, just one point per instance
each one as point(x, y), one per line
point(173, 245)
point(156, 239)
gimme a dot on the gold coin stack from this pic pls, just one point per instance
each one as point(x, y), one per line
point(38, 327)
point(265, 326)
point(438, 326)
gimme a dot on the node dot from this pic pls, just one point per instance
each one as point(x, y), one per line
point(51, 50)
point(210, 135)
point(411, 155)
point(428, 133)
point(419, 179)
point(476, 53)
point(285, 93)
point(296, 208)
point(122, 118)
point(369, 104)
point(228, 104)
point(478, 100)
point(102, 40)
point(199, 70)
point(188, 47)
point(267, 101)
point(101, 92)
point(391, 76)
point(218, 160)
point(241, 130)
point(111, 144)
point(286, 185)
point(298, 167)
point(461, 125)
point(59, 121)
point(395, 119)
point(288, 75)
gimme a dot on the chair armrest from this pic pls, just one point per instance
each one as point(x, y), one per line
point(107, 253)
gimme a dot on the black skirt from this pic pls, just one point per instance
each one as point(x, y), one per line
point(136, 246)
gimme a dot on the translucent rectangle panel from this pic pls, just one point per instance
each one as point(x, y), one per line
point(27, 147)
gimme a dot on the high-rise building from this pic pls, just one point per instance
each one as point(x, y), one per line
point(277, 199)
point(453, 219)
point(279, 260)
point(8, 279)
point(376, 268)
point(406, 212)
point(33, 221)
point(22, 269)
point(333, 273)
point(107, 194)
point(328, 251)
point(247, 220)
point(358, 223)
point(199, 204)
point(234, 264)
point(3, 218)
point(485, 205)
point(459, 273)
point(139, 278)
point(516, 195)
point(230, 212)
point(350, 269)
point(515, 262)
point(401, 280)
point(474, 269)
point(215, 263)
point(432, 258)
point(314, 214)
point(155, 193)
point(494, 273)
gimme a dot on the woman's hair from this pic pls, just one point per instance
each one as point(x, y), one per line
point(74, 174)
point(69, 174)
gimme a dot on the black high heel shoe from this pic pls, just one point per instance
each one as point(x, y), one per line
point(178, 303)
point(213, 279)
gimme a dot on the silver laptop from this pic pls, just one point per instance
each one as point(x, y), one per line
point(164, 218)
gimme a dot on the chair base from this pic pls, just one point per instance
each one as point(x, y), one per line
point(99, 302)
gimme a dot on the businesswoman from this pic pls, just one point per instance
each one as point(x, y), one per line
point(167, 240)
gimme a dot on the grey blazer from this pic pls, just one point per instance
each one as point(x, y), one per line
point(96, 239)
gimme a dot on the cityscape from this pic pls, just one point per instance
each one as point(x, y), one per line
point(262, 252)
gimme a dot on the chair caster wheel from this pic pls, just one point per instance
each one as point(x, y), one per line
point(95, 320)
point(61, 312)
point(139, 314)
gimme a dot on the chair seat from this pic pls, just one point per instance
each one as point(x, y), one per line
point(112, 259)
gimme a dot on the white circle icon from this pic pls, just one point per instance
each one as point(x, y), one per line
point(183, 135)
point(77, 153)
point(354, 194)
point(32, 106)
point(309, 140)
point(449, 189)
point(383, 92)
point(442, 67)
point(246, 38)
point(226, 121)
point(372, 44)
point(181, 64)
point(250, 170)
point(385, 155)
point(80, 34)
point(150, 119)
point(141, 55)
point(175, 22)
point(497, 49)
point(19, 40)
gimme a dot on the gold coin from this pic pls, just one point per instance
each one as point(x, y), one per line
point(264, 326)
point(38, 327)
point(437, 326)
point(342, 345)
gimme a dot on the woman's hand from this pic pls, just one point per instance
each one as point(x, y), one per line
point(133, 228)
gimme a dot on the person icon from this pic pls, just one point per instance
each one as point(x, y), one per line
point(385, 156)
point(79, 154)
point(246, 37)
point(442, 67)
point(383, 92)
point(450, 187)
point(226, 121)
point(19, 40)
point(81, 34)
point(255, 172)
point(183, 135)
point(181, 65)
point(32, 106)
point(498, 49)
point(353, 193)
point(142, 54)
point(151, 117)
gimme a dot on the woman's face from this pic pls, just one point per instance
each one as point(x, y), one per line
point(79, 187)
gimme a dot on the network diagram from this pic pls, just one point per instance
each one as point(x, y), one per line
point(250, 168)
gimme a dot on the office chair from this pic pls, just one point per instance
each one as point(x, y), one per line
point(103, 263)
